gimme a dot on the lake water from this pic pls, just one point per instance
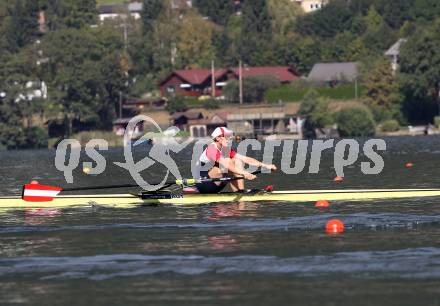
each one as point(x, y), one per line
point(230, 253)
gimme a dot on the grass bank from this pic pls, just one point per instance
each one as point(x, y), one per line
point(107, 2)
point(111, 138)
point(291, 93)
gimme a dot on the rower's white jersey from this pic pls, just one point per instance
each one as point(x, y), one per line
point(210, 156)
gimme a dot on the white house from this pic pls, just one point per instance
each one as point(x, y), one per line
point(311, 5)
point(393, 53)
point(120, 11)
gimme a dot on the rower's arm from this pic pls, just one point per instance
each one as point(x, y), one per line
point(248, 160)
point(253, 162)
point(230, 165)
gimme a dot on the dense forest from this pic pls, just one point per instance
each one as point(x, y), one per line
point(87, 65)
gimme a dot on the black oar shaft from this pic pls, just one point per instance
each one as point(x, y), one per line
point(101, 187)
point(178, 182)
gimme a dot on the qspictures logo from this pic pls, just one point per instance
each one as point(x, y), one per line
point(164, 143)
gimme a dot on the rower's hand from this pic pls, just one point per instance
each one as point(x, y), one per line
point(271, 167)
point(249, 176)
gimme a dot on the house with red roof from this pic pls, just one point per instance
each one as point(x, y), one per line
point(198, 82)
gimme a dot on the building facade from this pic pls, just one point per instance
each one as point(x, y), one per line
point(198, 82)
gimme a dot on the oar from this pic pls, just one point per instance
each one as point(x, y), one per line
point(44, 193)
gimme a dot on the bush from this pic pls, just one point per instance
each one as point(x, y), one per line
point(317, 113)
point(390, 126)
point(176, 104)
point(211, 104)
point(37, 138)
point(355, 121)
point(254, 89)
point(298, 89)
point(437, 121)
point(231, 92)
point(316, 109)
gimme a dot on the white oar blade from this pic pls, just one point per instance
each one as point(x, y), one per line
point(39, 193)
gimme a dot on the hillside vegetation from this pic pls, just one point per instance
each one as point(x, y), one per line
point(88, 68)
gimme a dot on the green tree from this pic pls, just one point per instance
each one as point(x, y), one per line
point(283, 15)
point(176, 104)
point(194, 41)
point(86, 72)
point(231, 92)
point(344, 47)
point(298, 52)
point(150, 11)
point(163, 42)
point(316, 110)
point(12, 134)
point(382, 92)
point(227, 42)
point(21, 25)
point(218, 11)
point(254, 89)
point(420, 73)
point(256, 33)
point(332, 19)
point(378, 35)
point(395, 13)
point(69, 13)
point(221, 43)
point(373, 20)
point(20, 103)
point(425, 11)
point(355, 121)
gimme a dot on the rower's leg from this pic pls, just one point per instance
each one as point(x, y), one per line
point(215, 172)
point(238, 184)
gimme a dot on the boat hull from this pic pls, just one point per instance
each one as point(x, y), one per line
point(128, 200)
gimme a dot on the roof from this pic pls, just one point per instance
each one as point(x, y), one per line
point(109, 9)
point(135, 6)
point(222, 115)
point(192, 76)
point(394, 49)
point(282, 73)
point(199, 76)
point(117, 8)
point(188, 115)
point(334, 71)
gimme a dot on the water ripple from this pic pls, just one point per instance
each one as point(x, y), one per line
point(352, 221)
point(404, 263)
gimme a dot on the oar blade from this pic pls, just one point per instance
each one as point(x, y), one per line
point(39, 193)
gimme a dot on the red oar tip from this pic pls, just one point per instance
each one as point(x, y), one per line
point(39, 193)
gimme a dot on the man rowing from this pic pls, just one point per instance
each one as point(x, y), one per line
point(219, 160)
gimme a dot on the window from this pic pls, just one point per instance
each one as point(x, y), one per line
point(171, 89)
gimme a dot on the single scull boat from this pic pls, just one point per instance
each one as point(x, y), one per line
point(191, 199)
point(43, 196)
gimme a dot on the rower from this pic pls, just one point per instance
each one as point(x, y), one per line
point(222, 160)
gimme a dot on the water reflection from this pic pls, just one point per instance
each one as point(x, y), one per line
point(40, 216)
point(228, 210)
point(223, 243)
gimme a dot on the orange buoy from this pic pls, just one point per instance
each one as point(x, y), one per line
point(338, 178)
point(34, 182)
point(409, 165)
point(334, 226)
point(322, 204)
